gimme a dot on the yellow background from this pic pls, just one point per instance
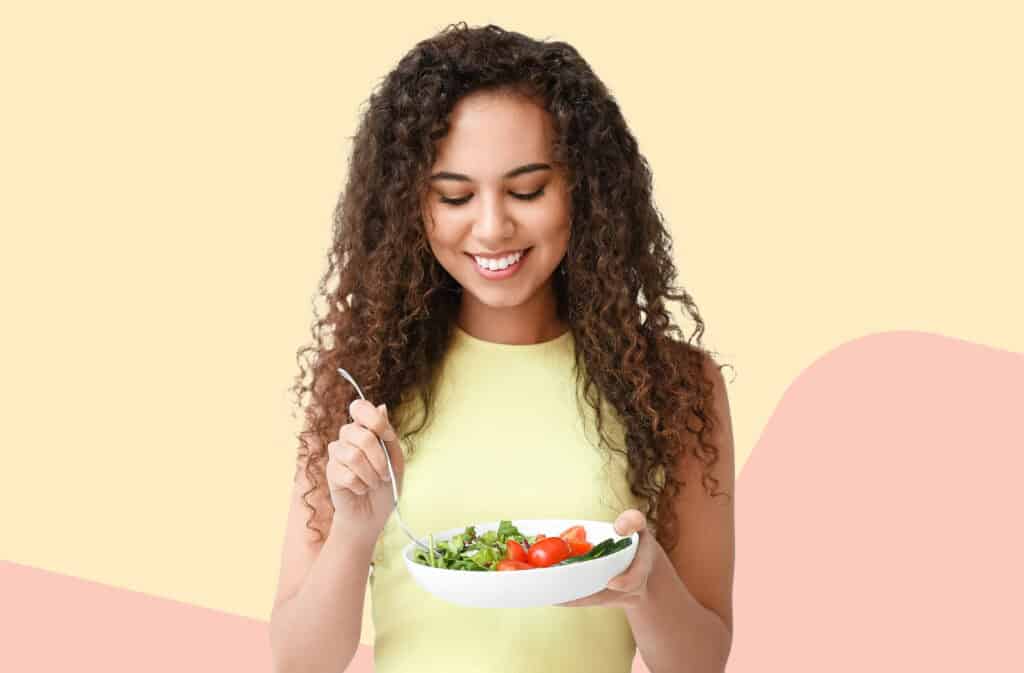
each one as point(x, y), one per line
point(168, 177)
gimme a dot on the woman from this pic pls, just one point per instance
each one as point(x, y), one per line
point(501, 295)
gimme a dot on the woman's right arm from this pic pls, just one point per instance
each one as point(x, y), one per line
point(317, 615)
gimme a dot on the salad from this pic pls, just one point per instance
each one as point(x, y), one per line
point(508, 549)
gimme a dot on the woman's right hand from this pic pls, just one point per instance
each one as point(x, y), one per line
point(357, 471)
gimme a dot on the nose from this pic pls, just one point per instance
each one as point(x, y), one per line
point(493, 223)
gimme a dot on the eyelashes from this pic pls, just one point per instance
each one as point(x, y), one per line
point(521, 197)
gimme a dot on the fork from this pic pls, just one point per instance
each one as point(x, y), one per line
point(391, 470)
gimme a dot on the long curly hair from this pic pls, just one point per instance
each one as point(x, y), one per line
point(391, 306)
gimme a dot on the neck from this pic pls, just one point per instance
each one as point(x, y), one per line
point(529, 323)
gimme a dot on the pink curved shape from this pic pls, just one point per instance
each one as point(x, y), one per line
point(878, 519)
point(52, 622)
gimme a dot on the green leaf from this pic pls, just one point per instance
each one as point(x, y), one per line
point(507, 530)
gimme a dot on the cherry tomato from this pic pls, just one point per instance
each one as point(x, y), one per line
point(514, 551)
point(540, 536)
point(574, 534)
point(579, 548)
point(508, 564)
point(549, 551)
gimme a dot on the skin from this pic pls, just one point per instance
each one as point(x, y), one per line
point(492, 134)
point(679, 605)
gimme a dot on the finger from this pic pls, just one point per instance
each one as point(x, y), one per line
point(364, 466)
point(372, 418)
point(369, 443)
point(395, 449)
point(340, 453)
point(352, 456)
point(626, 584)
point(599, 598)
point(634, 577)
point(630, 521)
point(376, 420)
point(342, 477)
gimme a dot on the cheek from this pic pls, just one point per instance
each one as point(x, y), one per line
point(555, 228)
point(557, 221)
point(441, 233)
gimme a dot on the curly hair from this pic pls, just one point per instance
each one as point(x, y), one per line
point(390, 305)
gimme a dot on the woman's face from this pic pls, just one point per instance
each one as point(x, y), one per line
point(495, 164)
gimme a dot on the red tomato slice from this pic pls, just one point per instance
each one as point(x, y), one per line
point(580, 548)
point(574, 534)
point(514, 551)
point(548, 551)
point(513, 565)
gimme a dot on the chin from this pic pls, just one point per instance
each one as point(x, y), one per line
point(497, 299)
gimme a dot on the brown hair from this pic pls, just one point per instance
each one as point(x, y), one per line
point(390, 305)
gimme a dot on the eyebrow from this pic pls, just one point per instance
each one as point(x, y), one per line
point(527, 168)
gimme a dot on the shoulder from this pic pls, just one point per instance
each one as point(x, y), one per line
point(699, 362)
point(712, 372)
point(709, 402)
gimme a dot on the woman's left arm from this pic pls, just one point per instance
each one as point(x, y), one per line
point(683, 620)
point(679, 604)
point(674, 632)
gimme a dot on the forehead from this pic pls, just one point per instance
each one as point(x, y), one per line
point(492, 133)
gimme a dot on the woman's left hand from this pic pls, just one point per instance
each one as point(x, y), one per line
point(628, 588)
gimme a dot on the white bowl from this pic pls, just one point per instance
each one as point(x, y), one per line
point(525, 588)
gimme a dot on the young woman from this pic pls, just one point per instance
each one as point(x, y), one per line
point(498, 284)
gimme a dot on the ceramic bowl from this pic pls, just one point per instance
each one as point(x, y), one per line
point(535, 587)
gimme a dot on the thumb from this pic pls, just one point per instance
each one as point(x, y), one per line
point(389, 434)
point(630, 521)
point(391, 440)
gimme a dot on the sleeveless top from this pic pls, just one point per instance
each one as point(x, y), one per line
point(505, 440)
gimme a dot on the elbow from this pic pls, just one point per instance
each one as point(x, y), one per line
point(291, 653)
point(278, 661)
point(725, 649)
point(283, 657)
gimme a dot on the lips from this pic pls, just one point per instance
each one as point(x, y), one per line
point(501, 274)
point(499, 255)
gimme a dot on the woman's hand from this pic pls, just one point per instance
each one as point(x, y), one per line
point(629, 587)
point(357, 471)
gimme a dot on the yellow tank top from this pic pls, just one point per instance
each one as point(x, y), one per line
point(506, 441)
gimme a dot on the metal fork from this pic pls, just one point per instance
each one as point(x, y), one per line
point(391, 470)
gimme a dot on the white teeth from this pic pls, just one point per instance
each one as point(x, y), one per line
point(501, 263)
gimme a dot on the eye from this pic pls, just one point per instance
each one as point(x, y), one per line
point(529, 197)
point(521, 197)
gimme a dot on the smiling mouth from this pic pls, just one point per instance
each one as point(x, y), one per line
point(522, 254)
